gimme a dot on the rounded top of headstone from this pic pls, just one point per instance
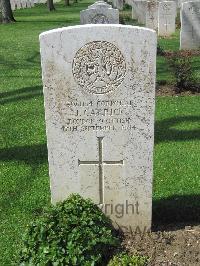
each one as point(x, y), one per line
point(99, 4)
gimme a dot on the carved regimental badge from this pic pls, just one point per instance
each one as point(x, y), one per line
point(99, 67)
point(100, 19)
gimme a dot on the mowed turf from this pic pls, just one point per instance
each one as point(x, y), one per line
point(24, 181)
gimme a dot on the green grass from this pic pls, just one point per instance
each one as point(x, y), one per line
point(24, 188)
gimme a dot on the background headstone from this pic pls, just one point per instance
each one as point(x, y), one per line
point(100, 13)
point(18, 4)
point(134, 13)
point(99, 86)
point(190, 25)
point(141, 9)
point(23, 3)
point(13, 4)
point(166, 18)
point(119, 4)
point(152, 15)
point(32, 3)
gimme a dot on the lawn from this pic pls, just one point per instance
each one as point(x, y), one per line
point(24, 177)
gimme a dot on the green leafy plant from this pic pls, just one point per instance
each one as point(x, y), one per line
point(181, 64)
point(160, 50)
point(74, 232)
point(123, 259)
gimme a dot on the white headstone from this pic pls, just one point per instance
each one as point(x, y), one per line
point(166, 18)
point(180, 2)
point(32, 3)
point(28, 3)
point(190, 25)
point(99, 83)
point(141, 9)
point(119, 4)
point(13, 5)
point(100, 13)
point(23, 3)
point(152, 15)
point(18, 4)
point(134, 8)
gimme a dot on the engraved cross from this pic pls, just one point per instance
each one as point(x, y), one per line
point(100, 164)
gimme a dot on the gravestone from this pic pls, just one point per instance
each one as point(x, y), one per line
point(133, 13)
point(166, 18)
point(128, 2)
point(23, 3)
point(28, 3)
point(119, 4)
point(100, 13)
point(18, 4)
point(152, 15)
point(190, 25)
point(99, 83)
point(32, 3)
point(140, 9)
point(13, 4)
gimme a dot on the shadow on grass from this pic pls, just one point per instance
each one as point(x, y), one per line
point(165, 132)
point(176, 211)
point(35, 58)
point(32, 155)
point(20, 94)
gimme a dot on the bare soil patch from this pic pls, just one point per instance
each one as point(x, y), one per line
point(172, 91)
point(172, 246)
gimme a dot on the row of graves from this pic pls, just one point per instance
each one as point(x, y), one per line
point(159, 16)
point(18, 4)
point(99, 91)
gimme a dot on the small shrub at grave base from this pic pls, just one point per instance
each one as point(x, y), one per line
point(181, 64)
point(122, 18)
point(74, 232)
point(123, 259)
point(178, 21)
point(127, 7)
point(160, 50)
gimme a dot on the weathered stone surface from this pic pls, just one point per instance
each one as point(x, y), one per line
point(119, 4)
point(23, 3)
point(190, 25)
point(134, 14)
point(166, 18)
point(18, 4)
point(152, 15)
point(100, 13)
point(141, 9)
point(99, 83)
point(13, 5)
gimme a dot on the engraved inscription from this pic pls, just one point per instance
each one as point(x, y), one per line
point(99, 67)
point(100, 115)
point(100, 19)
point(100, 163)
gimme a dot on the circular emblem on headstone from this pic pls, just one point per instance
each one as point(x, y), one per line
point(100, 19)
point(99, 67)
